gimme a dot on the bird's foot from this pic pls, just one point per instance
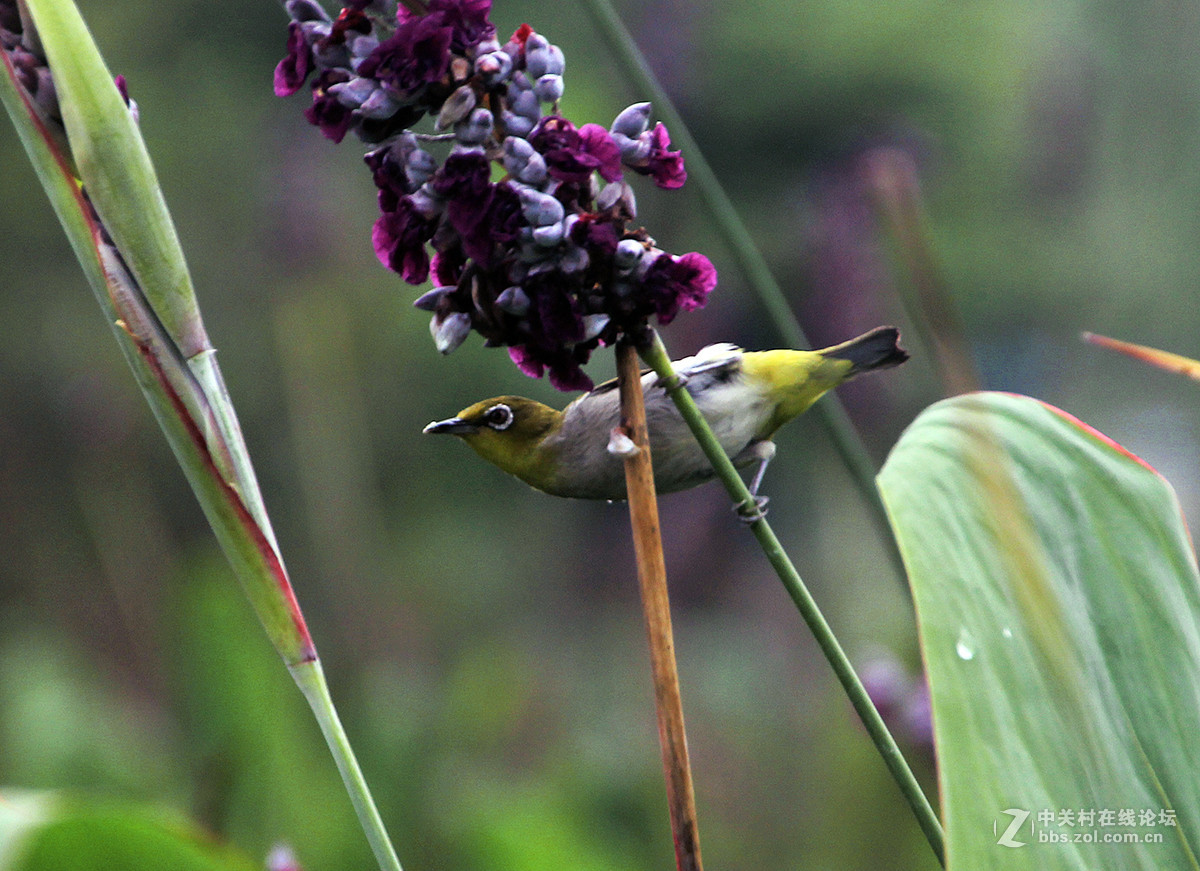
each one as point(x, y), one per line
point(674, 382)
point(753, 511)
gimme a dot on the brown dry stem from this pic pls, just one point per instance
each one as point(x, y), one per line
point(652, 580)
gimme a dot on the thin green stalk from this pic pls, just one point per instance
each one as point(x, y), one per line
point(926, 297)
point(311, 680)
point(655, 356)
point(732, 229)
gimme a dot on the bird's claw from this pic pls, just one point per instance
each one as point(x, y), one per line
point(750, 513)
point(674, 382)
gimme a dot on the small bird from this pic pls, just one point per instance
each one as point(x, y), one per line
point(746, 396)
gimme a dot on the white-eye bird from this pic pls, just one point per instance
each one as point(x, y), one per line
point(745, 396)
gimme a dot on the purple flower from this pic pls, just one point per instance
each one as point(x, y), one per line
point(447, 267)
point(597, 235)
point(675, 284)
point(418, 54)
point(559, 321)
point(326, 112)
point(556, 343)
point(349, 20)
point(467, 20)
point(400, 237)
point(495, 231)
point(599, 148)
point(464, 175)
point(463, 183)
point(398, 169)
point(665, 167)
point(293, 70)
point(412, 58)
point(565, 373)
point(573, 155)
point(888, 684)
point(526, 361)
point(486, 216)
point(546, 261)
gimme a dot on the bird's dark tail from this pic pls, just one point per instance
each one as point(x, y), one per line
point(877, 349)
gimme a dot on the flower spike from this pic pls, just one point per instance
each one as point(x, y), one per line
point(525, 221)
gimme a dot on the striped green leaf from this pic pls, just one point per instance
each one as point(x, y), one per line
point(1058, 603)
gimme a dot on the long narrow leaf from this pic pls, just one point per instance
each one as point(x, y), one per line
point(115, 168)
point(191, 414)
point(1161, 359)
point(121, 185)
point(147, 298)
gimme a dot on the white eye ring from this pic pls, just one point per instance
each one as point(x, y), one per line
point(499, 417)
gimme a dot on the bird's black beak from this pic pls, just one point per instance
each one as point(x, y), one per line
point(451, 426)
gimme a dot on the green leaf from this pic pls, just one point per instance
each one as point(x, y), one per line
point(116, 170)
point(118, 225)
point(1058, 603)
point(146, 295)
point(119, 179)
point(47, 832)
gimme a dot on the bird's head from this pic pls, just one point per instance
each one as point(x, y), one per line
point(510, 432)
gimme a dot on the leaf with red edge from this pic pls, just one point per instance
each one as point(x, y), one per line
point(1058, 602)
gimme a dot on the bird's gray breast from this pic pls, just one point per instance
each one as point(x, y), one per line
point(734, 412)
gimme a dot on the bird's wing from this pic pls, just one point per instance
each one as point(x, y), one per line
point(718, 362)
point(608, 386)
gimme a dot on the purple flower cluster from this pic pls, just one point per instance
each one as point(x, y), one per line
point(525, 225)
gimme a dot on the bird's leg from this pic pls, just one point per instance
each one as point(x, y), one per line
point(762, 451)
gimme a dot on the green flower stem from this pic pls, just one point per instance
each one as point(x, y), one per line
point(311, 680)
point(829, 411)
point(655, 356)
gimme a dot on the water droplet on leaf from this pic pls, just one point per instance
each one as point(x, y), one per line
point(964, 647)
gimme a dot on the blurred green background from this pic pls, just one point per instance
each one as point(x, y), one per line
point(483, 641)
